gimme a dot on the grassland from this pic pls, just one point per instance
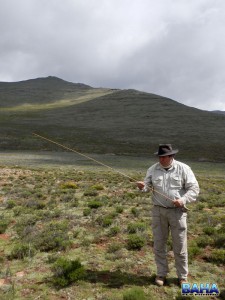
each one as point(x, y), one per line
point(57, 206)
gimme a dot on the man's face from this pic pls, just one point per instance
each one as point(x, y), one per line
point(165, 160)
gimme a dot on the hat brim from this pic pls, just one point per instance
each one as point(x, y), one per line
point(168, 153)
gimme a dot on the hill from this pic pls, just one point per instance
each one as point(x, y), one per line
point(219, 112)
point(40, 90)
point(105, 120)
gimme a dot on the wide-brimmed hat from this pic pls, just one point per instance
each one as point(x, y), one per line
point(166, 149)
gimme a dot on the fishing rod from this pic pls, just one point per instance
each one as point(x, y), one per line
point(104, 165)
point(84, 155)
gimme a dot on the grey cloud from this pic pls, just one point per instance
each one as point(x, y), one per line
point(168, 47)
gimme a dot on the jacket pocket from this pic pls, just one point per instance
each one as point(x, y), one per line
point(175, 182)
point(158, 181)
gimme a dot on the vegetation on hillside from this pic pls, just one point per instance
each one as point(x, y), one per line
point(105, 121)
point(80, 234)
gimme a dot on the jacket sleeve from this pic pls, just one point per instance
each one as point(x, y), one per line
point(191, 187)
point(148, 180)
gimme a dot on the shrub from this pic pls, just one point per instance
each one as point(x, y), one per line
point(113, 247)
point(20, 251)
point(97, 187)
point(35, 204)
point(69, 185)
point(24, 224)
point(119, 209)
point(209, 230)
point(67, 271)
point(193, 251)
point(219, 240)
point(135, 211)
point(114, 231)
point(135, 242)
point(129, 195)
point(10, 204)
point(86, 212)
point(90, 192)
point(68, 198)
point(136, 227)
point(74, 202)
point(107, 221)
point(54, 236)
point(199, 206)
point(134, 293)
point(3, 225)
point(18, 210)
point(94, 204)
point(204, 241)
point(217, 256)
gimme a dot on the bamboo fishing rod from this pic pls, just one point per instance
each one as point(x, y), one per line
point(101, 163)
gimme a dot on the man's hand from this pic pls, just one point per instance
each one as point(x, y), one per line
point(178, 203)
point(140, 185)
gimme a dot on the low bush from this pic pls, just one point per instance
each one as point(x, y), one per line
point(67, 271)
point(98, 187)
point(119, 209)
point(217, 256)
point(25, 223)
point(95, 204)
point(21, 250)
point(114, 247)
point(209, 230)
point(136, 227)
point(3, 225)
point(219, 240)
point(135, 293)
point(107, 221)
point(91, 192)
point(17, 210)
point(54, 236)
point(35, 204)
point(135, 242)
point(69, 185)
point(10, 204)
point(114, 231)
point(204, 241)
point(135, 211)
point(193, 251)
point(86, 211)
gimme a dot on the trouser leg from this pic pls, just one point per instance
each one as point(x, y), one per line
point(178, 227)
point(160, 228)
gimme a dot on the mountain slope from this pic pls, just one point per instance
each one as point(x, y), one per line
point(219, 112)
point(116, 121)
point(40, 90)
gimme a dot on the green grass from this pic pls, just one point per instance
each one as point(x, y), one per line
point(40, 243)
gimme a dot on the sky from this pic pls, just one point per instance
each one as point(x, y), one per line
point(173, 48)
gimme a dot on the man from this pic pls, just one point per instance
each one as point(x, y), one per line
point(174, 186)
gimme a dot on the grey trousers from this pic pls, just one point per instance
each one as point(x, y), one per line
point(175, 220)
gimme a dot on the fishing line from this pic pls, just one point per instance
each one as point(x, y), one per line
point(84, 155)
point(100, 163)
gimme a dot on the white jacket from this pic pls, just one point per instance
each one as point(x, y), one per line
point(178, 182)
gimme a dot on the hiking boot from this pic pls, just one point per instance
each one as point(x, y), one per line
point(182, 280)
point(160, 280)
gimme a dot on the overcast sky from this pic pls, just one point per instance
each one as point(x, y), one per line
point(173, 48)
